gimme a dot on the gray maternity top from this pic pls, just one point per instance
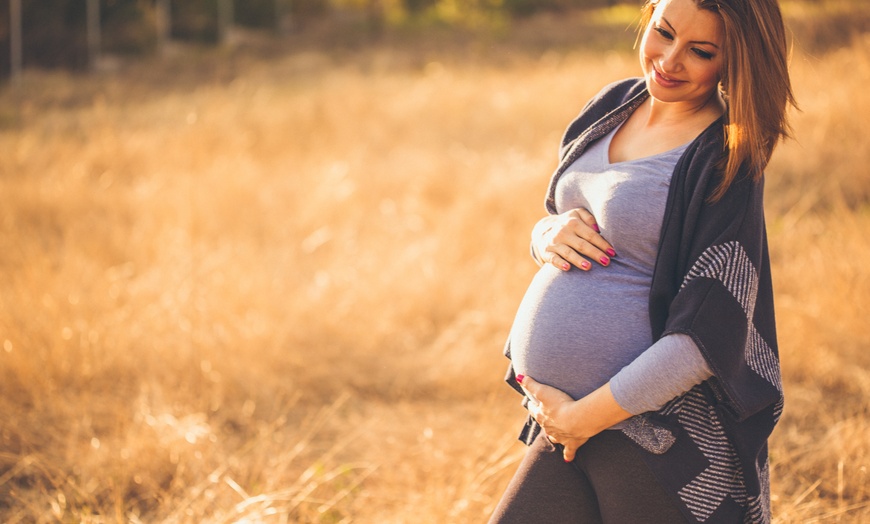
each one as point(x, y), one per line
point(576, 330)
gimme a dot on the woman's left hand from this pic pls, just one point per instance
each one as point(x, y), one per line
point(556, 412)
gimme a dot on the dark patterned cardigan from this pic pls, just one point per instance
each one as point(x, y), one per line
point(711, 282)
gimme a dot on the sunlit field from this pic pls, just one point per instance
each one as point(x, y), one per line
point(247, 288)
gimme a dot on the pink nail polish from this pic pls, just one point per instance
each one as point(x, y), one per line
point(566, 266)
point(604, 260)
point(520, 378)
point(585, 264)
point(595, 227)
point(611, 252)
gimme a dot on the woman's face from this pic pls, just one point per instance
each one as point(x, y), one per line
point(681, 52)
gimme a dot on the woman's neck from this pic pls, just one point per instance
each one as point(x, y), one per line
point(667, 114)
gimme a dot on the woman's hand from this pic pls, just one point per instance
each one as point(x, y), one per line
point(563, 240)
point(554, 410)
point(571, 422)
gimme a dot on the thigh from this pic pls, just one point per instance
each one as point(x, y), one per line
point(625, 487)
point(546, 489)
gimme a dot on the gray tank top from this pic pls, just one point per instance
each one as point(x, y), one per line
point(575, 330)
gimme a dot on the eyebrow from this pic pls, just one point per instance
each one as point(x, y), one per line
point(693, 41)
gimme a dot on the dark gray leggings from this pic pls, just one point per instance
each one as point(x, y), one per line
point(607, 482)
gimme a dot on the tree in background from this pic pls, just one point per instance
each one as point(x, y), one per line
point(54, 33)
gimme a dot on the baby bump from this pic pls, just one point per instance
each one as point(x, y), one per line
point(574, 330)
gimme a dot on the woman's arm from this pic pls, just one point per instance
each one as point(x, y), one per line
point(667, 369)
point(637, 388)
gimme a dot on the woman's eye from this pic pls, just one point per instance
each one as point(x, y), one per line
point(703, 54)
point(664, 33)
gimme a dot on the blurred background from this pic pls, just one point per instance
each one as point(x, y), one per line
point(258, 259)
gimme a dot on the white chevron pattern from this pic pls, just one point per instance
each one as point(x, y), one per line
point(759, 507)
point(777, 410)
point(729, 264)
point(724, 476)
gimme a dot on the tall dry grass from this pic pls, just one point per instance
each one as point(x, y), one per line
point(279, 293)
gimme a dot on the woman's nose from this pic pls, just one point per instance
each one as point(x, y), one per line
point(670, 61)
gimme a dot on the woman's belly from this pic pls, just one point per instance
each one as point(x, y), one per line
point(574, 330)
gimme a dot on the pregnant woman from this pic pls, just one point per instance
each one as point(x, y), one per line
point(645, 346)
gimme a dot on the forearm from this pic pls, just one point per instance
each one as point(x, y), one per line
point(669, 368)
point(597, 411)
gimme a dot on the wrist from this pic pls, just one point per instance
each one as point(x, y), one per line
point(583, 426)
point(588, 422)
point(538, 232)
point(536, 253)
point(597, 411)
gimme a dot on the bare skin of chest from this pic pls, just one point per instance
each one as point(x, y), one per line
point(641, 136)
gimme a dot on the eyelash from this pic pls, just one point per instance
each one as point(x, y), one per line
point(699, 52)
point(664, 33)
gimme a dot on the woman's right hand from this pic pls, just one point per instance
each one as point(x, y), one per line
point(568, 239)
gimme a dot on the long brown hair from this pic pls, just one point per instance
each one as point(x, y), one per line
point(754, 79)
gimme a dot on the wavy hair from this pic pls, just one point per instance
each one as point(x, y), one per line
point(754, 80)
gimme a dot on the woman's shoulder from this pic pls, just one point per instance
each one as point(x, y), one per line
point(702, 165)
point(711, 141)
point(608, 99)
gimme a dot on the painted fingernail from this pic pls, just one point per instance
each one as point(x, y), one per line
point(595, 227)
point(520, 378)
point(604, 260)
point(566, 460)
point(585, 264)
point(611, 252)
point(566, 266)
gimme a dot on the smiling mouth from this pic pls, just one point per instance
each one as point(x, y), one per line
point(665, 79)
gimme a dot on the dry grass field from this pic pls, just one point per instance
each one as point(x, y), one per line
point(245, 289)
